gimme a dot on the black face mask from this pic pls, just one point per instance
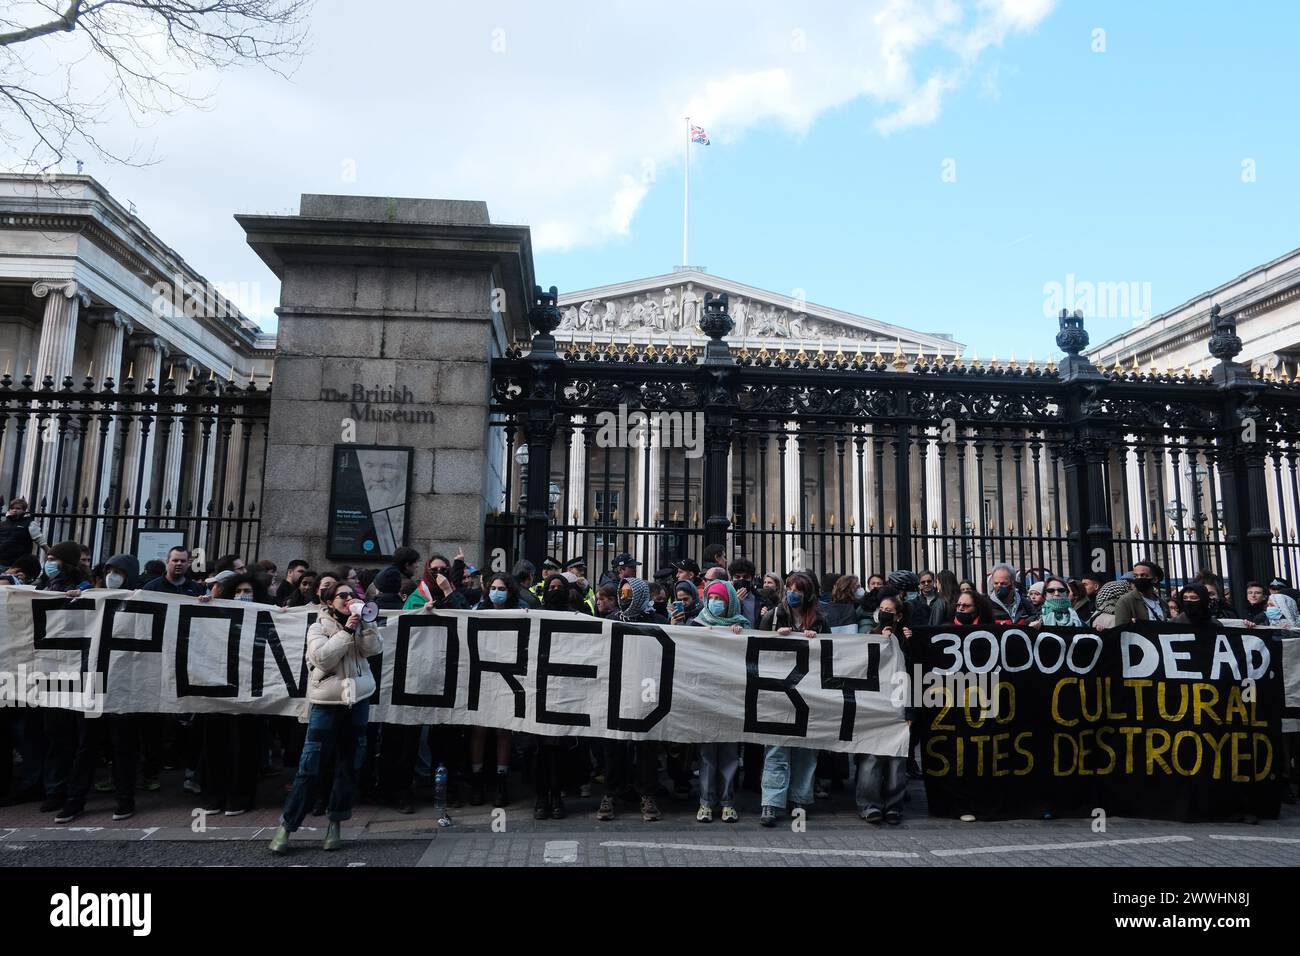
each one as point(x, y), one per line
point(1144, 584)
point(886, 617)
point(1196, 611)
point(556, 598)
point(965, 617)
point(661, 607)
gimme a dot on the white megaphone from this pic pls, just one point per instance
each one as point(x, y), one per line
point(366, 610)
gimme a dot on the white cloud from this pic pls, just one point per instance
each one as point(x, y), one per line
point(561, 116)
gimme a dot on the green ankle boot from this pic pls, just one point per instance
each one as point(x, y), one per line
point(333, 836)
point(280, 842)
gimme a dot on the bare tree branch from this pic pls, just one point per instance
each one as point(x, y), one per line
point(142, 54)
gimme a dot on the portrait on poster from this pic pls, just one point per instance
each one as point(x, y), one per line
point(369, 497)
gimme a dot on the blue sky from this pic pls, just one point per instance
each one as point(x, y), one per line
point(831, 128)
point(1120, 166)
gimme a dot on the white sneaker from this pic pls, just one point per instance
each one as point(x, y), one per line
point(705, 814)
point(967, 818)
point(729, 815)
point(191, 786)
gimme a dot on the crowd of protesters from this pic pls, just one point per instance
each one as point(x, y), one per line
point(341, 757)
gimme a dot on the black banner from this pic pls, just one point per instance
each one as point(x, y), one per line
point(1151, 720)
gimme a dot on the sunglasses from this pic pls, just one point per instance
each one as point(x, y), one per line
point(343, 594)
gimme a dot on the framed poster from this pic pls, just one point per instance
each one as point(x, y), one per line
point(154, 543)
point(370, 491)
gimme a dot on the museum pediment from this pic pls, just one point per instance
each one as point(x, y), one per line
point(671, 307)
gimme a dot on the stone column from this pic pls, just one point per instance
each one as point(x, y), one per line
point(63, 298)
point(111, 328)
point(933, 488)
point(147, 354)
point(577, 485)
point(793, 494)
point(174, 468)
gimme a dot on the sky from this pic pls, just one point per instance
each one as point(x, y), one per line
point(950, 167)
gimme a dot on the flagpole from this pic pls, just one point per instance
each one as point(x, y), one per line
point(686, 196)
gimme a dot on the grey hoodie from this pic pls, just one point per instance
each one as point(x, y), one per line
point(129, 566)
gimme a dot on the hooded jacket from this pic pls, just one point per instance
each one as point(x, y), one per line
point(338, 671)
point(634, 610)
point(130, 568)
point(16, 538)
point(731, 615)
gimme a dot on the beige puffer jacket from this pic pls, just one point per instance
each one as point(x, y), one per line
point(338, 672)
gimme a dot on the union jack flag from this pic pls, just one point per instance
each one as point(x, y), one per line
point(699, 136)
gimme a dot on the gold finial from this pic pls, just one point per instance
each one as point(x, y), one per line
point(975, 360)
point(753, 518)
point(1033, 366)
point(958, 363)
point(1051, 365)
point(801, 355)
point(783, 355)
point(194, 371)
point(90, 369)
point(1118, 367)
point(853, 522)
point(771, 521)
point(832, 520)
point(920, 358)
point(891, 522)
point(839, 357)
point(871, 524)
point(900, 360)
point(859, 359)
point(792, 521)
point(130, 370)
point(939, 363)
point(820, 359)
point(993, 362)
point(812, 521)
point(6, 366)
point(675, 515)
point(764, 355)
point(1136, 369)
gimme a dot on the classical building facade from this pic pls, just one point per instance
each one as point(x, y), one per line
point(95, 303)
point(1264, 304)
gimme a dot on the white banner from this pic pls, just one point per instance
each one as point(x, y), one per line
point(537, 672)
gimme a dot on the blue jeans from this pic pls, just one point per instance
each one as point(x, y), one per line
point(340, 731)
point(788, 771)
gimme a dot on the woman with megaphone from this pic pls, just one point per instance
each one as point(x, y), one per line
point(339, 686)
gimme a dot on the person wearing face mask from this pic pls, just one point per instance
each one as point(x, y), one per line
point(1146, 578)
point(502, 595)
point(844, 610)
point(633, 599)
point(789, 772)
point(1008, 605)
point(1106, 601)
point(556, 593)
point(123, 573)
point(1280, 611)
point(971, 609)
point(339, 685)
point(720, 762)
point(1194, 603)
point(61, 570)
point(1057, 609)
point(882, 778)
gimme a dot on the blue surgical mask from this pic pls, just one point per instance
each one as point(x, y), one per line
point(51, 568)
point(860, 593)
point(912, 596)
point(1273, 613)
point(1004, 591)
point(498, 597)
point(793, 598)
point(717, 607)
point(243, 597)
